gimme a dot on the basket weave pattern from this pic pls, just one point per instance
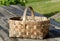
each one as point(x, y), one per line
point(28, 29)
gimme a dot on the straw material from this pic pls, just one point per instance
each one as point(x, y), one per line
point(29, 26)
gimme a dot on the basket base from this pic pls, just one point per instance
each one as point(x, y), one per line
point(28, 38)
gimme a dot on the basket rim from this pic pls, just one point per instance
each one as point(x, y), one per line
point(20, 18)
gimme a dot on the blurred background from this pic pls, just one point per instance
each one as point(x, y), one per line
point(46, 7)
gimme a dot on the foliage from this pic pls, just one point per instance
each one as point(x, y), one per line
point(45, 7)
point(10, 2)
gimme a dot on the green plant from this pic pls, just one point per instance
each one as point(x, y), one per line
point(10, 2)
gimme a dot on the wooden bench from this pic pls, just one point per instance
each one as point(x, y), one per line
point(7, 12)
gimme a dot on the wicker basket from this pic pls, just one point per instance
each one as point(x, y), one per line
point(29, 26)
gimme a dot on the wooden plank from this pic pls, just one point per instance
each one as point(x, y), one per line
point(18, 10)
point(4, 35)
point(4, 24)
point(1, 39)
point(14, 10)
point(7, 12)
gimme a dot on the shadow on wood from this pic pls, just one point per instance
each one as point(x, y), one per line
point(51, 14)
point(53, 33)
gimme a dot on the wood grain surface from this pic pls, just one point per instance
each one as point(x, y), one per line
point(7, 12)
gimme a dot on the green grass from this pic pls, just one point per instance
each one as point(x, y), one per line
point(41, 6)
point(46, 8)
point(58, 19)
point(31, 1)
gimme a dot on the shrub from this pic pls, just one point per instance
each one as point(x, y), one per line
point(10, 2)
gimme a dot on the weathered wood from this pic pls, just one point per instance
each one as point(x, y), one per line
point(7, 12)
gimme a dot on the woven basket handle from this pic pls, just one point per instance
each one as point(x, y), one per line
point(25, 11)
